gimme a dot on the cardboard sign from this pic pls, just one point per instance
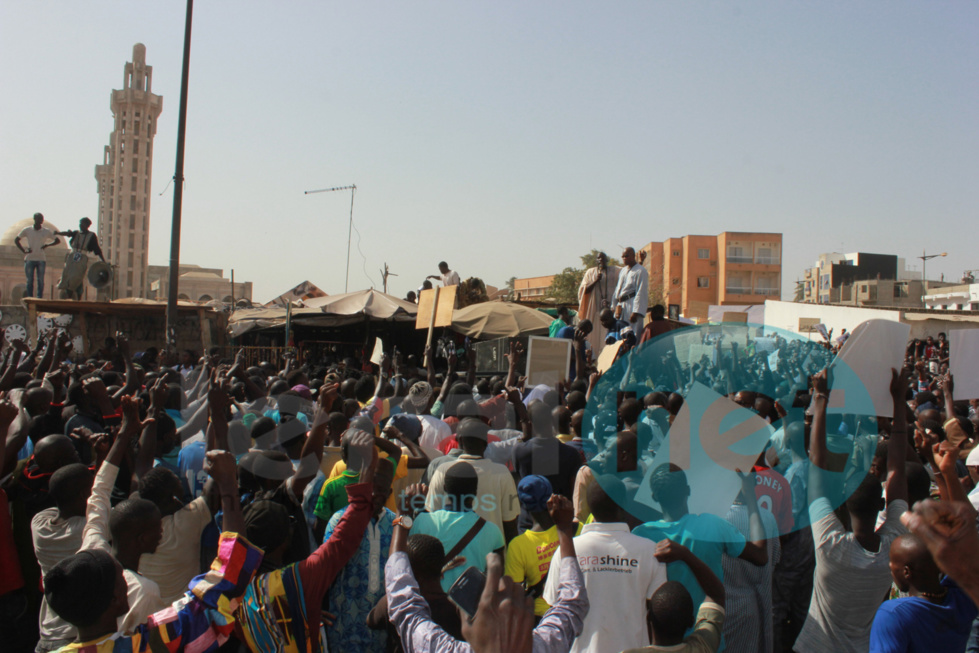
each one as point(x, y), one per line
point(808, 324)
point(735, 316)
point(443, 311)
point(873, 348)
point(548, 360)
point(607, 357)
point(963, 350)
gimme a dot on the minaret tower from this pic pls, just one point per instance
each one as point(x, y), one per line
point(124, 178)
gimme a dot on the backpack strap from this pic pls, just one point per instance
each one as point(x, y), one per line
point(466, 539)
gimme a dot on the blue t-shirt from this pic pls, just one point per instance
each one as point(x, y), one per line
point(621, 330)
point(450, 527)
point(190, 466)
point(707, 536)
point(916, 624)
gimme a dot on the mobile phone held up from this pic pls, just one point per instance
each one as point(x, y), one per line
point(467, 590)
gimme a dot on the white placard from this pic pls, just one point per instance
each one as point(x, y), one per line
point(873, 348)
point(548, 360)
point(378, 352)
point(963, 350)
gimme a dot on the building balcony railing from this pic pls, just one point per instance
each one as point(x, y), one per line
point(739, 259)
point(768, 260)
point(767, 291)
point(738, 290)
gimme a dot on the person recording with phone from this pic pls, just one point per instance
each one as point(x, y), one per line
point(503, 619)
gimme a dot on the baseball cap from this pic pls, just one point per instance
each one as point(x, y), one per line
point(973, 459)
point(533, 492)
point(409, 425)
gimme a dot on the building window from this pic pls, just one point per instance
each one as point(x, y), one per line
point(135, 142)
point(766, 256)
point(703, 282)
point(132, 206)
point(676, 252)
point(135, 164)
point(703, 253)
point(737, 254)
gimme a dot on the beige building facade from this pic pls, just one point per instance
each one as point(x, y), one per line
point(124, 180)
point(197, 284)
point(532, 287)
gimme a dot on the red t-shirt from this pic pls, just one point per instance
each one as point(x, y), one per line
point(775, 495)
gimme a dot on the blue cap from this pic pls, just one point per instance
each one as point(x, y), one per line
point(533, 492)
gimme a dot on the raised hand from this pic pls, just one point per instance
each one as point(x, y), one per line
point(504, 620)
point(562, 512)
point(221, 466)
point(413, 498)
point(8, 411)
point(362, 455)
point(899, 384)
point(948, 529)
point(670, 551)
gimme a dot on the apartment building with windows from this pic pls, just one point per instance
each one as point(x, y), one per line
point(731, 268)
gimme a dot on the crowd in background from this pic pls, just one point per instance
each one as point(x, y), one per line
point(160, 502)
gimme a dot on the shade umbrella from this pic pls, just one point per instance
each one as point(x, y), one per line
point(499, 320)
point(372, 303)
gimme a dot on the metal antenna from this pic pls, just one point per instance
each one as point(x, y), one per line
point(353, 191)
point(384, 277)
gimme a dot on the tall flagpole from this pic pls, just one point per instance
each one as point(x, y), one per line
point(178, 192)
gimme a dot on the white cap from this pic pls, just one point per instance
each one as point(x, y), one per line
point(973, 459)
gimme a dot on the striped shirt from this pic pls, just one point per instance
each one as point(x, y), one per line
point(748, 626)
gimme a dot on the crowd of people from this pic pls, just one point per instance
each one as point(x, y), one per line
point(155, 502)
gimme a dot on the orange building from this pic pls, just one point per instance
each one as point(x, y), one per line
point(733, 268)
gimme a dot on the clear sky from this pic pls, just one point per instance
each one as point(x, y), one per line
point(509, 138)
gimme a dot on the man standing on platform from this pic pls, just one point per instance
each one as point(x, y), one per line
point(594, 294)
point(81, 242)
point(35, 261)
point(448, 277)
point(631, 295)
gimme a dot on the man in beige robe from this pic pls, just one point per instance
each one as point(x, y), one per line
point(594, 294)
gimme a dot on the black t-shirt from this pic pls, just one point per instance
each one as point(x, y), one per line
point(550, 458)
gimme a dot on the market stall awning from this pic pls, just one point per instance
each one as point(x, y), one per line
point(332, 311)
point(499, 320)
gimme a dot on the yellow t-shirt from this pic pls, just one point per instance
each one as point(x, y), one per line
point(529, 557)
point(399, 472)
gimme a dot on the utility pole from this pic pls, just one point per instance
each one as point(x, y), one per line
point(353, 191)
point(384, 277)
point(178, 191)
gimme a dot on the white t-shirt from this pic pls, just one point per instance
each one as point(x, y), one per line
point(178, 557)
point(434, 431)
point(36, 239)
point(620, 572)
point(850, 582)
point(496, 493)
point(54, 540)
point(450, 278)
